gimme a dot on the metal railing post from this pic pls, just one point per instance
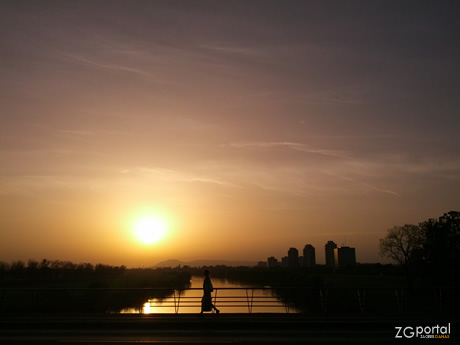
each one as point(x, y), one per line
point(176, 303)
point(323, 295)
point(286, 303)
point(250, 301)
point(361, 299)
point(2, 296)
point(215, 298)
point(399, 299)
point(438, 298)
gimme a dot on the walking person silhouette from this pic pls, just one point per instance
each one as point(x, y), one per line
point(206, 301)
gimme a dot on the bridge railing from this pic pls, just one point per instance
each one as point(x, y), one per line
point(319, 300)
point(250, 299)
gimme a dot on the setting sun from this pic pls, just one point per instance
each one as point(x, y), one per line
point(149, 230)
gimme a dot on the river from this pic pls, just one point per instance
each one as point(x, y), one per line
point(226, 299)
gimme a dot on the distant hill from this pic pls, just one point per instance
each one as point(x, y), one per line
point(199, 263)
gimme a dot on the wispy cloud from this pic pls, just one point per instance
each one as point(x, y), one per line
point(379, 189)
point(177, 176)
point(290, 146)
point(76, 132)
point(39, 186)
point(108, 66)
point(237, 51)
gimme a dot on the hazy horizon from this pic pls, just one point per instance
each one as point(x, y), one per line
point(135, 132)
point(175, 262)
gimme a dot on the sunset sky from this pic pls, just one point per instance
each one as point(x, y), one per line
point(248, 127)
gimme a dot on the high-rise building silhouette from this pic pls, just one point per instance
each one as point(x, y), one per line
point(344, 256)
point(284, 261)
point(309, 256)
point(329, 249)
point(293, 258)
point(272, 262)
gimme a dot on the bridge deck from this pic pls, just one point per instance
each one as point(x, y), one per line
point(203, 329)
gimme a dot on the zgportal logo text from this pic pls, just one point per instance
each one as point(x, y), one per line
point(440, 332)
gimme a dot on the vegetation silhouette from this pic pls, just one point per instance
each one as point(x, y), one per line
point(428, 252)
point(62, 286)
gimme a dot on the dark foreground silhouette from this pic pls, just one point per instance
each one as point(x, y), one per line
point(195, 329)
point(206, 301)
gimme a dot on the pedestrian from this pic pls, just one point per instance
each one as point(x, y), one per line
point(206, 301)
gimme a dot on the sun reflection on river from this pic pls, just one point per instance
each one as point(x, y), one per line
point(227, 300)
point(147, 308)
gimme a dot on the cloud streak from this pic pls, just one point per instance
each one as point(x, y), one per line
point(108, 66)
point(294, 146)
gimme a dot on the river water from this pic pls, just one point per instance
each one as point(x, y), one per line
point(243, 300)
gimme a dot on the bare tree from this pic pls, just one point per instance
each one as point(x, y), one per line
point(404, 244)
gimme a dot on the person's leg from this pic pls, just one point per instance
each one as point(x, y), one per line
point(217, 310)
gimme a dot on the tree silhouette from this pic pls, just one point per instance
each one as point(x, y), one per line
point(442, 244)
point(404, 244)
point(432, 246)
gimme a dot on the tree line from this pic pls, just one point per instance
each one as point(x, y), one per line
point(429, 250)
point(59, 273)
point(54, 269)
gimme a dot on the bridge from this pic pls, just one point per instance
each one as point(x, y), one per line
point(335, 316)
point(319, 300)
point(207, 329)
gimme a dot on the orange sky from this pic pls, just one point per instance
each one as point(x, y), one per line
point(250, 127)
